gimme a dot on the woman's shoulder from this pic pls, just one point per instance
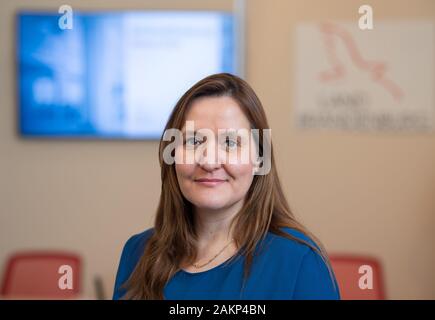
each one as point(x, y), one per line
point(141, 237)
point(133, 249)
point(131, 253)
point(290, 247)
point(298, 242)
point(312, 277)
point(137, 241)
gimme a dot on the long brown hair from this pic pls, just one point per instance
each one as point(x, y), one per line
point(174, 239)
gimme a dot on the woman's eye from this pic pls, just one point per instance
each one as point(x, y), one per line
point(231, 143)
point(193, 141)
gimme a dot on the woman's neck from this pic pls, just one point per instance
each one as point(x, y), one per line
point(213, 225)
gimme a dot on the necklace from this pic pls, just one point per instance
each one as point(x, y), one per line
point(203, 265)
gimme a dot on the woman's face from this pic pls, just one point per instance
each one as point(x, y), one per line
point(230, 181)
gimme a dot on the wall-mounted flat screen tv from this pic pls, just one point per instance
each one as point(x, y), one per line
point(114, 75)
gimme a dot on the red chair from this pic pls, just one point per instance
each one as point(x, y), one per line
point(37, 274)
point(347, 271)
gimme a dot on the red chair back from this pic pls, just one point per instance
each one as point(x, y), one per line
point(352, 272)
point(37, 275)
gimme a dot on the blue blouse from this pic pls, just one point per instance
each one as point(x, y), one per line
point(283, 269)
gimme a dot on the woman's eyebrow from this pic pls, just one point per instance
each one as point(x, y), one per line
point(224, 133)
point(191, 132)
point(228, 135)
point(195, 133)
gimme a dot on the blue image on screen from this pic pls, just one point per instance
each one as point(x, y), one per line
point(114, 75)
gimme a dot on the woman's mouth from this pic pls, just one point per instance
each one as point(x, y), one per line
point(210, 182)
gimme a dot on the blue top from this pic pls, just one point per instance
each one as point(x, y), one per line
point(284, 269)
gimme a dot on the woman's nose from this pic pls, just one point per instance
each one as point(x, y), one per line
point(209, 157)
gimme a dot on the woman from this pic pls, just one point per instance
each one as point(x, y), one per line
point(222, 231)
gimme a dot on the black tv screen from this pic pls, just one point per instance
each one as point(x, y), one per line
point(114, 74)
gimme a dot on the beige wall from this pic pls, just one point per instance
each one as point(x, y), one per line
point(360, 192)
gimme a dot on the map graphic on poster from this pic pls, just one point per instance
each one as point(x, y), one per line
point(365, 80)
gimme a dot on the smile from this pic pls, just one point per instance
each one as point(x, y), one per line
point(210, 182)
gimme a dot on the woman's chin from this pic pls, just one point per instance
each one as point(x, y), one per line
point(210, 205)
